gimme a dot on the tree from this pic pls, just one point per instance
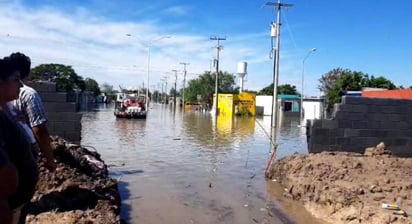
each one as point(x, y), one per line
point(282, 89)
point(65, 77)
point(107, 89)
point(330, 79)
point(204, 87)
point(354, 81)
point(381, 82)
point(92, 86)
point(172, 92)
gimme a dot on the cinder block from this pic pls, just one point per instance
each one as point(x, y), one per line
point(349, 132)
point(53, 97)
point(64, 116)
point(329, 124)
point(367, 133)
point(400, 141)
point(344, 108)
point(373, 125)
point(318, 123)
point(377, 117)
point(315, 148)
point(320, 132)
point(43, 86)
point(373, 108)
point(67, 126)
point(388, 109)
point(388, 125)
point(342, 141)
point(364, 142)
point(356, 116)
point(49, 107)
point(406, 133)
point(402, 125)
point(332, 148)
point(358, 108)
point(403, 151)
point(359, 124)
point(65, 107)
point(350, 100)
point(343, 123)
point(392, 133)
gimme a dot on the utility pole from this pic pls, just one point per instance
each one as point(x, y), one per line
point(161, 95)
point(276, 34)
point(165, 90)
point(174, 97)
point(184, 84)
point(218, 48)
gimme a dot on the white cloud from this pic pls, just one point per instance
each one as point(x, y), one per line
point(99, 48)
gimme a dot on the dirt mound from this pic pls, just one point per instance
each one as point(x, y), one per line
point(79, 191)
point(341, 187)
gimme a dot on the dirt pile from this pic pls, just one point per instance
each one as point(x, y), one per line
point(79, 191)
point(341, 187)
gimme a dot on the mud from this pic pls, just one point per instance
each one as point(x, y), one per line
point(341, 187)
point(79, 191)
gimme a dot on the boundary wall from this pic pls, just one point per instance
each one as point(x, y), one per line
point(63, 118)
point(360, 122)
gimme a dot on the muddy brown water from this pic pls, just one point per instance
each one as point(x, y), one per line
point(190, 168)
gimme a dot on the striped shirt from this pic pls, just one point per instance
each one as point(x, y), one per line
point(29, 102)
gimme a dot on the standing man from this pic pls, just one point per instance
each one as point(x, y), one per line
point(28, 111)
point(18, 168)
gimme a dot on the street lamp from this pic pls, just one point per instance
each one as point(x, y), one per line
point(303, 81)
point(149, 45)
point(148, 67)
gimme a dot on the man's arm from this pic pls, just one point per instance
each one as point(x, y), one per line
point(34, 110)
point(41, 132)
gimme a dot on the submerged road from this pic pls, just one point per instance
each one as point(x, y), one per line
point(189, 168)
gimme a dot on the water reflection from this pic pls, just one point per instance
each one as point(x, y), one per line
point(187, 167)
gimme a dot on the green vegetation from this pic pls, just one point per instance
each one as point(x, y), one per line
point(202, 88)
point(282, 89)
point(65, 77)
point(335, 82)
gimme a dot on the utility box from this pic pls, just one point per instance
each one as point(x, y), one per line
point(237, 104)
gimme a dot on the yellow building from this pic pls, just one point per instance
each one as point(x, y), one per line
point(236, 104)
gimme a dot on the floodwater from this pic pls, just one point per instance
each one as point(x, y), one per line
point(180, 168)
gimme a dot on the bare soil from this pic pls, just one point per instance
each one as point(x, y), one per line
point(342, 187)
point(79, 191)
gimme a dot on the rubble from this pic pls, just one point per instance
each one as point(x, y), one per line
point(79, 191)
point(344, 187)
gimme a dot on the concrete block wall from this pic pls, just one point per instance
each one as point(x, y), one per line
point(64, 120)
point(360, 122)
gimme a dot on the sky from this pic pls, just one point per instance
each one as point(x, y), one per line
point(109, 40)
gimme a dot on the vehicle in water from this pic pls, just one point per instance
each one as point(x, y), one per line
point(130, 105)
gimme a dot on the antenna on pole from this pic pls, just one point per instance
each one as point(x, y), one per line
point(275, 33)
point(218, 48)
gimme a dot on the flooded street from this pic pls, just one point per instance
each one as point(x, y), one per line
point(187, 168)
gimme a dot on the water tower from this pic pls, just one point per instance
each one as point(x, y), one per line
point(241, 71)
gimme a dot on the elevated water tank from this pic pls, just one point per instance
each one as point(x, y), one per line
point(241, 71)
point(242, 68)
